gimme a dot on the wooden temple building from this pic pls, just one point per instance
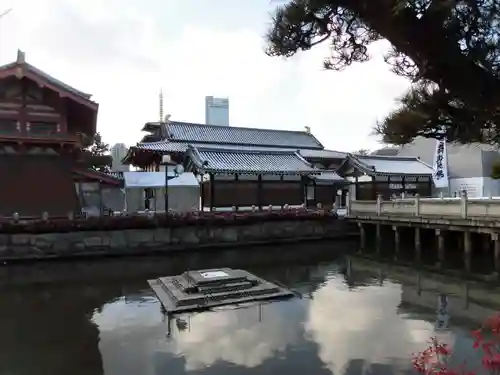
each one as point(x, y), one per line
point(44, 126)
point(245, 167)
point(372, 175)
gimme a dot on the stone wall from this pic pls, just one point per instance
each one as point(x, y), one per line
point(164, 240)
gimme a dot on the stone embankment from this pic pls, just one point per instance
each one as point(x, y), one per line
point(24, 246)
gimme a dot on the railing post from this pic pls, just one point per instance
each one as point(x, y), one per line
point(463, 202)
point(417, 204)
point(379, 204)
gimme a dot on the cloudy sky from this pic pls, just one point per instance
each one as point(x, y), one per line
point(123, 51)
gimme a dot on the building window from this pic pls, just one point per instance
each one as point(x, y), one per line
point(9, 126)
point(42, 127)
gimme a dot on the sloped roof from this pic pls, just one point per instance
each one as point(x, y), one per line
point(389, 165)
point(249, 161)
point(199, 133)
point(110, 178)
point(168, 146)
point(31, 71)
point(323, 154)
point(328, 176)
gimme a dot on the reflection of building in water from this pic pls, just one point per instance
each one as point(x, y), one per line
point(457, 306)
point(48, 331)
point(442, 316)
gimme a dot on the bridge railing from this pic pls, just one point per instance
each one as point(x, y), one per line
point(455, 208)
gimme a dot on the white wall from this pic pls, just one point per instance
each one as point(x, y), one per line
point(476, 186)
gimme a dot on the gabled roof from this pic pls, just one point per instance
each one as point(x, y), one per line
point(323, 154)
point(200, 133)
point(387, 165)
point(328, 177)
point(108, 178)
point(20, 68)
point(216, 160)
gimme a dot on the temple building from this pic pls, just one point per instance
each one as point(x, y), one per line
point(373, 175)
point(44, 127)
point(245, 166)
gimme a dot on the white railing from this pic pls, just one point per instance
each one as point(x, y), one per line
point(455, 208)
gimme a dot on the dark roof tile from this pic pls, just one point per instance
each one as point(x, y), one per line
point(249, 161)
point(199, 133)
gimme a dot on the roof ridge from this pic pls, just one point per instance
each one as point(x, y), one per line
point(244, 151)
point(394, 157)
point(241, 127)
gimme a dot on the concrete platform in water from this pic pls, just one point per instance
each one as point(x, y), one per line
point(203, 289)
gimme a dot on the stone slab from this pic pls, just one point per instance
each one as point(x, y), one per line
point(213, 287)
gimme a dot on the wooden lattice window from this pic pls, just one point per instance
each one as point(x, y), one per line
point(43, 127)
point(8, 126)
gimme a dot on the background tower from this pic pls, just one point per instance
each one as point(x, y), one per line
point(216, 111)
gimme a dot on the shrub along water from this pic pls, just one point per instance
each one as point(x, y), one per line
point(152, 221)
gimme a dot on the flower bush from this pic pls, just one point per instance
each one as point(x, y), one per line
point(150, 220)
point(436, 359)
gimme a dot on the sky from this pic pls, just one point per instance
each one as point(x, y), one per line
point(124, 51)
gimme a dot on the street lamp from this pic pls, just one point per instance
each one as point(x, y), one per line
point(167, 161)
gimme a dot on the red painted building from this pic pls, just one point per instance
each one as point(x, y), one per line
point(44, 126)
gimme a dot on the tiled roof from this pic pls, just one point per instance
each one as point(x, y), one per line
point(328, 176)
point(117, 175)
point(396, 165)
point(323, 154)
point(48, 77)
point(166, 146)
point(199, 133)
point(248, 161)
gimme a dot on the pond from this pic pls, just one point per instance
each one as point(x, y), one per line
point(100, 317)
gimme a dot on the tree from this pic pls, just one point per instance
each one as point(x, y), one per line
point(99, 158)
point(362, 151)
point(451, 43)
point(427, 111)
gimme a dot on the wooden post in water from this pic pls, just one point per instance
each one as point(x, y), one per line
point(496, 245)
point(362, 236)
point(440, 245)
point(378, 238)
point(467, 251)
point(466, 295)
point(397, 241)
point(418, 246)
point(486, 242)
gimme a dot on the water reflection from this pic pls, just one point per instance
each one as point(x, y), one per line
point(355, 318)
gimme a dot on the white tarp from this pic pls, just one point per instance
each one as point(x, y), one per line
point(157, 180)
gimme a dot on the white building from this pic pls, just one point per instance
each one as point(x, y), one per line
point(118, 152)
point(216, 111)
point(469, 166)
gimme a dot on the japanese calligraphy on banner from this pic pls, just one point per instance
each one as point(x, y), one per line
point(440, 167)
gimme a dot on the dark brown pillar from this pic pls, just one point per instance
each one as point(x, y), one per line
point(260, 191)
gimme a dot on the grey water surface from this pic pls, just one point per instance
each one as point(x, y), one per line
point(99, 317)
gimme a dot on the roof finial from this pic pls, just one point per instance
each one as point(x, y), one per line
point(161, 105)
point(21, 57)
point(308, 129)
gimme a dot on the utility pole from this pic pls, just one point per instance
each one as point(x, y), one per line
point(3, 14)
